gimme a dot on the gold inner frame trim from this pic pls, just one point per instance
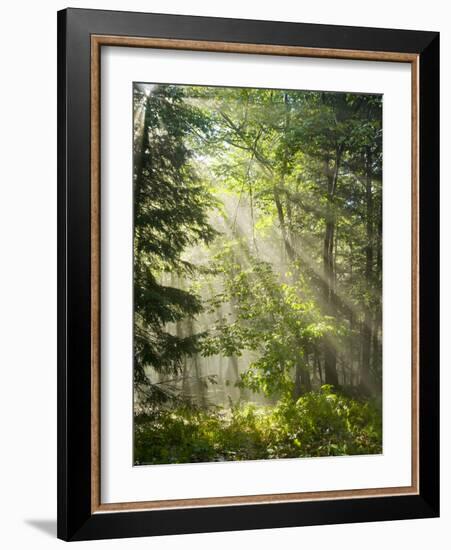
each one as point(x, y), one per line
point(97, 41)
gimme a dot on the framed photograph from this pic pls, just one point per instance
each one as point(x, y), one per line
point(248, 274)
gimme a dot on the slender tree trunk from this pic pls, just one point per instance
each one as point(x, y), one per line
point(278, 193)
point(318, 365)
point(221, 382)
point(377, 322)
point(367, 334)
point(141, 148)
point(377, 351)
point(302, 382)
point(283, 227)
point(351, 346)
point(199, 386)
point(305, 377)
point(233, 362)
point(297, 390)
point(330, 354)
point(186, 386)
point(199, 382)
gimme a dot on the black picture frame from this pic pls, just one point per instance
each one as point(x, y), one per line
point(76, 521)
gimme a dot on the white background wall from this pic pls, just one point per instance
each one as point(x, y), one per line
point(28, 273)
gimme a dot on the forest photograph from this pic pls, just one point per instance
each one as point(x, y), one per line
point(257, 272)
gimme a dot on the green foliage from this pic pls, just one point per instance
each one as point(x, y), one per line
point(326, 424)
point(275, 316)
point(321, 423)
point(257, 244)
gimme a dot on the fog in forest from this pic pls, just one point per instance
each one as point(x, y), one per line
point(257, 273)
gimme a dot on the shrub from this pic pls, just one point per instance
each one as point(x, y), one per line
point(322, 423)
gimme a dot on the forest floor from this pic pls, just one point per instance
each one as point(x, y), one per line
point(322, 423)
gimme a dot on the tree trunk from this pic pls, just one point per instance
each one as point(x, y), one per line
point(186, 386)
point(367, 334)
point(330, 354)
point(199, 385)
point(141, 148)
point(278, 193)
point(377, 332)
point(318, 365)
point(306, 382)
point(302, 382)
point(233, 368)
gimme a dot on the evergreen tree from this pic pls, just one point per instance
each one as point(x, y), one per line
point(171, 208)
